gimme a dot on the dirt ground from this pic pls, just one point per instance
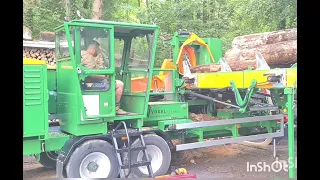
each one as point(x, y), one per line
point(227, 161)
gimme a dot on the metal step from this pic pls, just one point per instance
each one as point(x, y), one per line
point(137, 164)
point(122, 150)
point(125, 132)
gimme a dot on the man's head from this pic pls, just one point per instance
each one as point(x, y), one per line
point(93, 48)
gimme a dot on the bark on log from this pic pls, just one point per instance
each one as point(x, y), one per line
point(255, 40)
point(206, 68)
point(281, 53)
point(47, 36)
point(45, 54)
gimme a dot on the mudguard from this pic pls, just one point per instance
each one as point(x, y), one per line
point(70, 146)
point(161, 134)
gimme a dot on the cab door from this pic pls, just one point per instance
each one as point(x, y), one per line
point(97, 81)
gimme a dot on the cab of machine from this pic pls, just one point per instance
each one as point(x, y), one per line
point(127, 51)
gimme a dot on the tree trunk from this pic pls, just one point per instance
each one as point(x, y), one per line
point(255, 40)
point(97, 7)
point(70, 9)
point(281, 53)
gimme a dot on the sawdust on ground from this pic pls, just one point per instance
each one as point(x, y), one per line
point(204, 154)
point(198, 155)
point(202, 117)
point(33, 169)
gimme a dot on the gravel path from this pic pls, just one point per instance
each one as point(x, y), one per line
point(227, 161)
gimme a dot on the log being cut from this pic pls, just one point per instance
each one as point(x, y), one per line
point(234, 65)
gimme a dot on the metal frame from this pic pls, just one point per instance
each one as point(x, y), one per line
point(226, 141)
point(229, 122)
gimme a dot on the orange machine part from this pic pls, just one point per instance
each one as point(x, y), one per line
point(192, 57)
point(140, 84)
point(161, 81)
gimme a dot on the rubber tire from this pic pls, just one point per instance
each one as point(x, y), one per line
point(152, 139)
point(48, 162)
point(72, 167)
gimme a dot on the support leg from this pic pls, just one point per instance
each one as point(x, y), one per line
point(290, 94)
point(274, 148)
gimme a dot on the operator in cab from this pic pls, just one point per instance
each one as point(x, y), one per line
point(92, 58)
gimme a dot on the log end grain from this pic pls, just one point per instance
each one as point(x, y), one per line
point(45, 54)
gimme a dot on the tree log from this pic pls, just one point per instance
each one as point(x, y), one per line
point(277, 54)
point(206, 68)
point(47, 36)
point(255, 40)
point(234, 65)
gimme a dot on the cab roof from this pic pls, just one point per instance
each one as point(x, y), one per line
point(121, 27)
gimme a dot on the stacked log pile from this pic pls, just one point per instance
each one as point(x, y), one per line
point(45, 54)
point(41, 53)
point(279, 49)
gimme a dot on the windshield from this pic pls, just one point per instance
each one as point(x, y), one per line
point(95, 43)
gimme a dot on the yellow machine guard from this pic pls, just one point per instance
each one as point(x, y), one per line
point(28, 61)
point(243, 79)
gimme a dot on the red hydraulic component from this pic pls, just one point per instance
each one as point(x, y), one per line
point(285, 119)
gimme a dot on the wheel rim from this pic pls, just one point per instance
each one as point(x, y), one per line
point(155, 154)
point(95, 165)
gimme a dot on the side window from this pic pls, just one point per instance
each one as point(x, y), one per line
point(95, 48)
point(63, 43)
point(118, 49)
point(139, 53)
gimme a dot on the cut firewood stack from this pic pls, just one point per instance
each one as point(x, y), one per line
point(45, 54)
point(41, 50)
point(279, 49)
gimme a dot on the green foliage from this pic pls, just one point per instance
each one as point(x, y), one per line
point(45, 16)
point(224, 19)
